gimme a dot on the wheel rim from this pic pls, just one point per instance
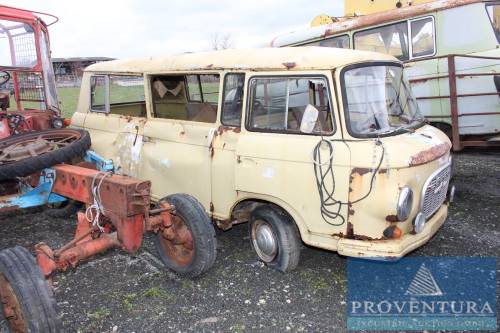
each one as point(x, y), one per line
point(36, 144)
point(264, 240)
point(11, 307)
point(177, 241)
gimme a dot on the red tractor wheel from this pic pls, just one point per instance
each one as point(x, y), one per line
point(189, 246)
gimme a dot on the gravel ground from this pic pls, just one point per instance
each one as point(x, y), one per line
point(117, 292)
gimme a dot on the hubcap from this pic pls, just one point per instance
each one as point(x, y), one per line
point(264, 241)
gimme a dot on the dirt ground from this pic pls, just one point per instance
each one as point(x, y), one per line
point(117, 292)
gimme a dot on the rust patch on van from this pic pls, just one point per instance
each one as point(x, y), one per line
point(223, 129)
point(361, 171)
point(429, 155)
point(391, 218)
point(348, 24)
point(289, 65)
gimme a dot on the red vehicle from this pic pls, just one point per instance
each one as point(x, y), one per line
point(28, 97)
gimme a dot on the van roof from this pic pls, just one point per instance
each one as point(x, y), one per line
point(363, 21)
point(259, 59)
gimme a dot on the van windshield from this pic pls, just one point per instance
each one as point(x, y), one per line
point(378, 101)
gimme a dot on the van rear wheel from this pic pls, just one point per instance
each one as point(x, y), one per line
point(275, 238)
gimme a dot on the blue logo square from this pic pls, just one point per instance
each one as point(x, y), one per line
point(422, 293)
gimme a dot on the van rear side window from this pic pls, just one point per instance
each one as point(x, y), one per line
point(186, 97)
point(278, 104)
point(98, 93)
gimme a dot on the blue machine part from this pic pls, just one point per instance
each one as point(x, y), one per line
point(101, 163)
point(42, 194)
point(32, 197)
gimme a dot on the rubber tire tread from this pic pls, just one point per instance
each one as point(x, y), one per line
point(289, 242)
point(203, 233)
point(32, 290)
point(31, 165)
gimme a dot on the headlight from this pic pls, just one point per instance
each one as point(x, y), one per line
point(405, 202)
point(57, 123)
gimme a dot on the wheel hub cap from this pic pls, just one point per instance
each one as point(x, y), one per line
point(264, 241)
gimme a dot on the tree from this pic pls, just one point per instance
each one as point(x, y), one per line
point(221, 42)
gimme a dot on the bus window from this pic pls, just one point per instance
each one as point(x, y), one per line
point(341, 42)
point(391, 39)
point(422, 37)
point(494, 13)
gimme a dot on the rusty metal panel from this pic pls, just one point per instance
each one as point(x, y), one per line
point(121, 196)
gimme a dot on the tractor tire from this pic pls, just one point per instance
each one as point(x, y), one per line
point(27, 153)
point(197, 256)
point(27, 301)
point(63, 209)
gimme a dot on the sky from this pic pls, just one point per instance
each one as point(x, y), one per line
point(134, 28)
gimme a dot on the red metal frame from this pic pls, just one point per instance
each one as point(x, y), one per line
point(125, 216)
point(459, 142)
point(41, 118)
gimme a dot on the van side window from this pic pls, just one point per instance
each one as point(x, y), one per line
point(391, 39)
point(278, 104)
point(233, 99)
point(126, 95)
point(98, 95)
point(422, 37)
point(186, 97)
point(341, 42)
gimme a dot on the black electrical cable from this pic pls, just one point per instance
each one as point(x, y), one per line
point(329, 206)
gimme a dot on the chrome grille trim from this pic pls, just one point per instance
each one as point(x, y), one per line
point(434, 190)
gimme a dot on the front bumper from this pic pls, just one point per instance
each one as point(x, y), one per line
point(393, 249)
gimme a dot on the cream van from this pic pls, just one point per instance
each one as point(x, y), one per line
point(451, 54)
point(324, 146)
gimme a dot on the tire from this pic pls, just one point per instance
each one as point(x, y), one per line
point(35, 300)
point(202, 254)
point(279, 243)
point(67, 208)
point(30, 165)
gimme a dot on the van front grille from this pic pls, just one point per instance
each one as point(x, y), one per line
point(434, 191)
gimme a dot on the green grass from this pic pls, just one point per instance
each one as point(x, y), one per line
point(68, 98)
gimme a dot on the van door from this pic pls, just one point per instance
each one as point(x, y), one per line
point(224, 145)
point(176, 151)
point(116, 118)
point(275, 149)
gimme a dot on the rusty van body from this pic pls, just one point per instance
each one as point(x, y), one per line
point(319, 145)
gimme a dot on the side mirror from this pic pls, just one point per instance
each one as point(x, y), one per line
point(309, 119)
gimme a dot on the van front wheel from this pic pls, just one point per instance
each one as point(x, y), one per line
point(274, 238)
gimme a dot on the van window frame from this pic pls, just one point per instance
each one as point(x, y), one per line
point(106, 93)
point(410, 44)
point(224, 95)
point(154, 115)
point(345, 99)
point(107, 106)
point(408, 29)
point(288, 76)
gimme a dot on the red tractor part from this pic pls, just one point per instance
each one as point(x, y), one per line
point(27, 81)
